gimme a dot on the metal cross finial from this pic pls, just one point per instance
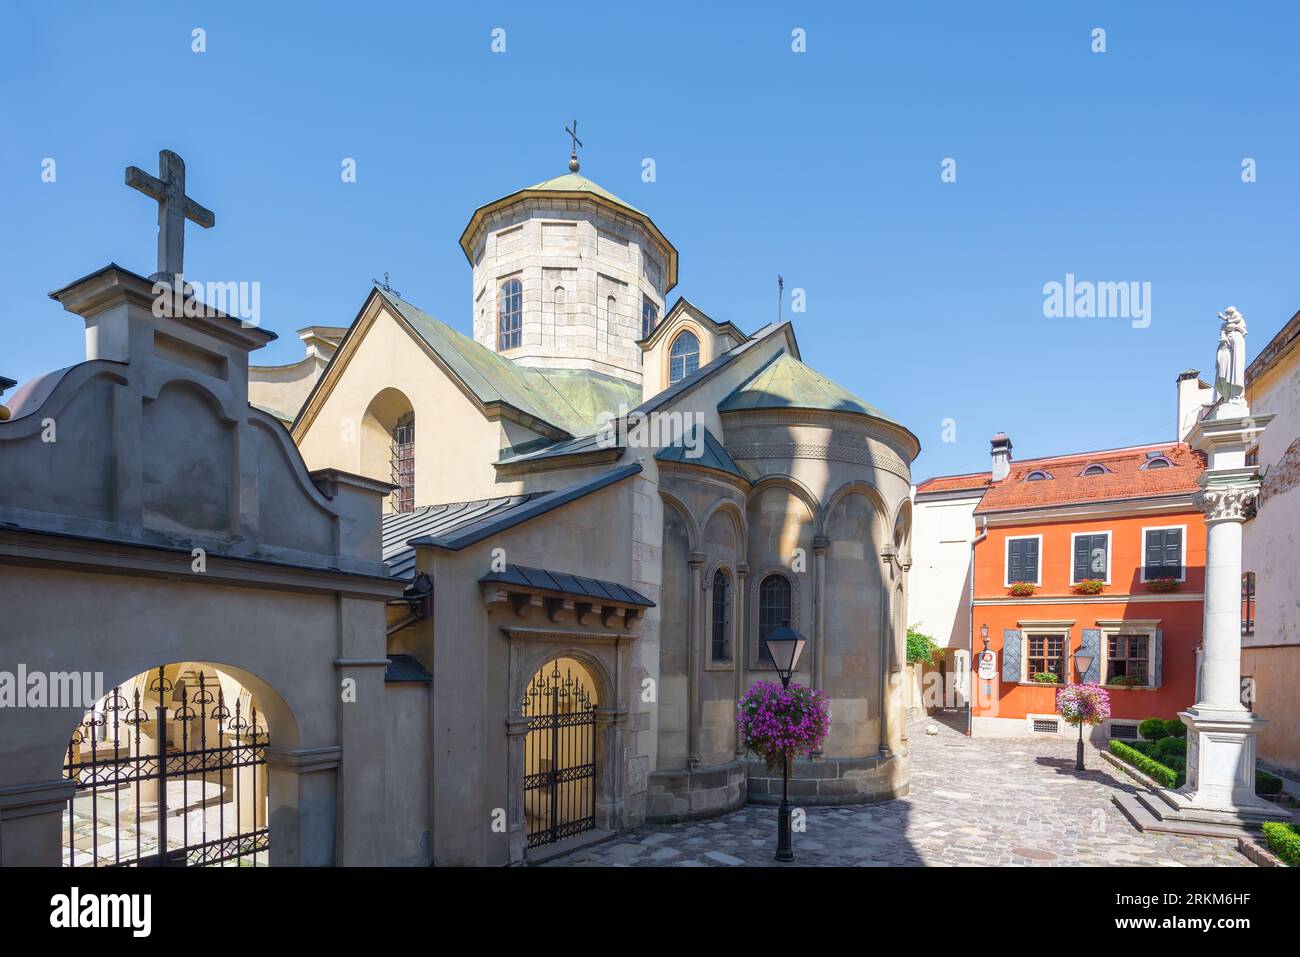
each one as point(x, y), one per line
point(573, 159)
point(385, 286)
point(174, 207)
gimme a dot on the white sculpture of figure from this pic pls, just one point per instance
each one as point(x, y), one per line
point(1230, 361)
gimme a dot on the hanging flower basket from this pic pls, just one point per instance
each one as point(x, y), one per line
point(1083, 704)
point(776, 722)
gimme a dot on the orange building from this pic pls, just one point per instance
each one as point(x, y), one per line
point(1104, 552)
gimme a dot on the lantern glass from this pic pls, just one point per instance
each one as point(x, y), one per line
point(785, 645)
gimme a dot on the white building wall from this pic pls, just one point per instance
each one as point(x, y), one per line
point(939, 602)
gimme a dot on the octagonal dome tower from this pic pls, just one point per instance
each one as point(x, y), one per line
point(567, 276)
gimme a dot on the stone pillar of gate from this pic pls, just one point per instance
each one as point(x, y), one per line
point(516, 756)
point(303, 805)
point(360, 666)
point(610, 767)
point(31, 822)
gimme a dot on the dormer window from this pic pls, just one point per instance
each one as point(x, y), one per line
point(1037, 475)
point(1157, 461)
point(683, 357)
point(1095, 469)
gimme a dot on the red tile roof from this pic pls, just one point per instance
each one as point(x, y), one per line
point(1124, 478)
point(973, 481)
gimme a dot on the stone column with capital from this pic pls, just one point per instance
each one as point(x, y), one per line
point(1220, 787)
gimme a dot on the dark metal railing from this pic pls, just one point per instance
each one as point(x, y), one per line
point(560, 758)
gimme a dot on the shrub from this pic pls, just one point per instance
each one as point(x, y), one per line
point(1143, 747)
point(1021, 589)
point(1161, 774)
point(1266, 783)
point(921, 648)
point(1090, 586)
point(1163, 585)
point(1175, 728)
point(1171, 747)
point(1284, 841)
point(1153, 729)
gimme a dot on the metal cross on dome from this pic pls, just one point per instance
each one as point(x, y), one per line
point(174, 207)
point(573, 134)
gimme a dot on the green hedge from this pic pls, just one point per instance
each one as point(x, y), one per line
point(1175, 728)
point(1284, 841)
point(1266, 783)
point(1162, 775)
point(1153, 729)
point(1171, 747)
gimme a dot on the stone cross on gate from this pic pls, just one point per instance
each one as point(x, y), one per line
point(174, 207)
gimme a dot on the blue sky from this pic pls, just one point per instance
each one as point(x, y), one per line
point(924, 297)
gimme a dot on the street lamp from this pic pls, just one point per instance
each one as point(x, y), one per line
point(784, 646)
point(1083, 660)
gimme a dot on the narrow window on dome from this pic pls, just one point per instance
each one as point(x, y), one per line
point(510, 315)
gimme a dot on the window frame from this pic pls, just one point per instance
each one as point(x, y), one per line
point(646, 301)
point(1146, 627)
point(1110, 538)
point(1006, 561)
point(699, 354)
point(1142, 568)
point(1045, 632)
point(710, 662)
point(501, 298)
point(759, 662)
point(1249, 603)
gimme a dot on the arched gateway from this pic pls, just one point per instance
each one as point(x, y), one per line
point(560, 771)
point(170, 769)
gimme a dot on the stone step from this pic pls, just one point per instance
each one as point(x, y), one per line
point(1140, 814)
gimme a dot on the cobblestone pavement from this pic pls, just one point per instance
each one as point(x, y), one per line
point(973, 801)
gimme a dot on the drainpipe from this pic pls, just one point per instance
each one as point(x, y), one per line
point(970, 632)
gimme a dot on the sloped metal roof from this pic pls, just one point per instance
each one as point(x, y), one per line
point(460, 524)
point(712, 456)
point(576, 586)
point(406, 668)
point(786, 383)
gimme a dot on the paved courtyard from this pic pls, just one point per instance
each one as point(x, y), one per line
point(982, 802)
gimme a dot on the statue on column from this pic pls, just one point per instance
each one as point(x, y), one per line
point(1230, 360)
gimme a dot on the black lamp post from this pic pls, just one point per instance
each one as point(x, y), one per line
point(1082, 662)
point(784, 646)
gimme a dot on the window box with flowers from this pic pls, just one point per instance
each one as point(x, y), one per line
point(1045, 678)
point(1089, 586)
point(1021, 589)
point(1163, 586)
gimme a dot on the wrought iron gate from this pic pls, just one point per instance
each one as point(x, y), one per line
point(123, 811)
point(560, 758)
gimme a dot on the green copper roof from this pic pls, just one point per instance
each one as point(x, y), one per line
point(575, 183)
point(786, 383)
point(711, 456)
point(568, 399)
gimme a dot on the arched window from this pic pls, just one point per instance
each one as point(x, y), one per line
point(1095, 470)
point(683, 357)
point(773, 610)
point(1158, 462)
point(403, 459)
point(510, 315)
point(721, 617)
point(1037, 475)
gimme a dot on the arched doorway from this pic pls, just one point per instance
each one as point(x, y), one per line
point(170, 769)
point(560, 754)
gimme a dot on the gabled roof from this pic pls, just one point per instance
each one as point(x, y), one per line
point(685, 305)
point(571, 186)
point(461, 524)
point(972, 481)
point(565, 400)
point(786, 383)
point(1127, 479)
point(712, 456)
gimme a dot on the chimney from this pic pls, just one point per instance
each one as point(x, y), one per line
point(1193, 396)
point(1001, 456)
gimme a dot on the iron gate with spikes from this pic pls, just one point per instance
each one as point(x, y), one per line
point(142, 800)
point(560, 756)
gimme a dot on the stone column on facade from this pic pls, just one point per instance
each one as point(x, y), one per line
point(888, 658)
point(820, 544)
point(516, 758)
point(694, 644)
point(612, 774)
point(740, 650)
point(1220, 785)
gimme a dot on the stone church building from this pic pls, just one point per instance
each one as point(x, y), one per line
point(493, 595)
